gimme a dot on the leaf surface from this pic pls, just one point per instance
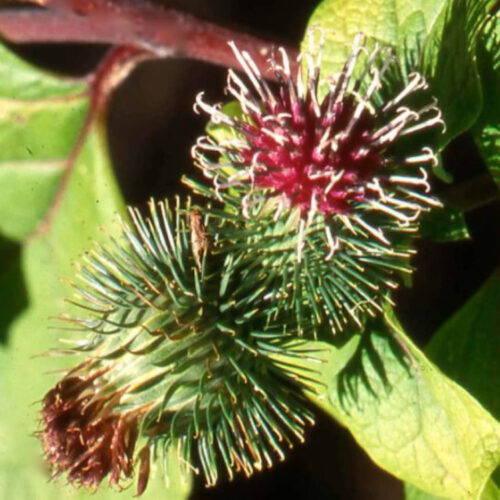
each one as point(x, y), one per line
point(411, 419)
point(487, 128)
point(466, 348)
point(54, 221)
point(434, 37)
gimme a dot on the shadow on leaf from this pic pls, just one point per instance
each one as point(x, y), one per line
point(13, 294)
point(367, 368)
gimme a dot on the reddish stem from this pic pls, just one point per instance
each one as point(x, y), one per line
point(138, 30)
point(114, 68)
point(162, 31)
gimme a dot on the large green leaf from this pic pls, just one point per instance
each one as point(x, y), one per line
point(54, 215)
point(391, 22)
point(412, 420)
point(413, 493)
point(490, 492)
point(40, 118)
point(487, 129)
point(488, 140)
point(466, 348)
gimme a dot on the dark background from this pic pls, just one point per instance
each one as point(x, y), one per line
point(152, 127)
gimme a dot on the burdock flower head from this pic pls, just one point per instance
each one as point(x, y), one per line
point(189, 322)
point(81, 434)
point(179, 356)
point(337, 158)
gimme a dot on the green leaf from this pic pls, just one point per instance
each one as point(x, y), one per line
point(54, 220)
point(487, 129)
point(466, 346)
point(412, 420)
point(450, 67)
point(391, 22)
point(412, 493)
point(490, 492)
point(488, 141)
point(435, 37)
point(466, 349)
point(40, 118)
point(444, 225)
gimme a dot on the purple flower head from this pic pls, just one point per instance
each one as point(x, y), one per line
point(327, 146)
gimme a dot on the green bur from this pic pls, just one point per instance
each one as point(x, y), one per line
point(181, 339)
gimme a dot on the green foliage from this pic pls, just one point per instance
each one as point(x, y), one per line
point(442, 225)
point(436, 38)
point(191, 329)
point(490, 492)
point(411, 419)
point(390, 22)
point(40, 119)
point(441, 40)
point(449, 65)
point(487, 128)
point(466, 348)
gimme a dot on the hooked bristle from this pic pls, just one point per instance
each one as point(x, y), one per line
point(333, 170)
point(181, 352)
point(190, 322)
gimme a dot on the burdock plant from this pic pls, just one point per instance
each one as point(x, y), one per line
point(179, 355)
point(201, 332)
point(324, 178)
point(189, 325)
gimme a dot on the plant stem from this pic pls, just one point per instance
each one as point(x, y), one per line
point(162, 31)
point(110, 72)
